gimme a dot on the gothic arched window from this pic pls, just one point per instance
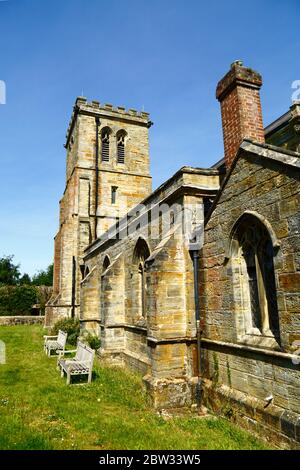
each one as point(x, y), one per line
point(121, 137)
point(141, 253)
point(253, 266)
point(141, 289)
point(106, 263)
point(105, 137)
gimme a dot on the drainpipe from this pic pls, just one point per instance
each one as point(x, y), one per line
point(73, 286)
point(96, 175)
point(195, 257)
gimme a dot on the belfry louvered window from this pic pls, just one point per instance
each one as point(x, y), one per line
point(105, 135)
point(121, 135)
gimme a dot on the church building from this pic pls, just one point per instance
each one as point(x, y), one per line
point(195, 285)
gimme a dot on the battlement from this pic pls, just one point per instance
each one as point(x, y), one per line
point(96, 109)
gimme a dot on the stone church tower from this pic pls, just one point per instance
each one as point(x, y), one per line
point(107, 173)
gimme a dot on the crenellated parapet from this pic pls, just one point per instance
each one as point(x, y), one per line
point(107, 110)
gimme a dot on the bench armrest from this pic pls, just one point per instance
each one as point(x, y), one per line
point(62, 353)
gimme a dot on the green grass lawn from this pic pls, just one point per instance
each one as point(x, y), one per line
point(39, 411)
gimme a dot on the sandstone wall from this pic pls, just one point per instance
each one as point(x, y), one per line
point(246, 374)
point(22, 320)
point(159, 344)
point(79, 218)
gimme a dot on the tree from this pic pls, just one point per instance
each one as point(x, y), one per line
point(25, 280)
point(17, 300)
point(9, 272)
point(43, 277)
point(43, 296)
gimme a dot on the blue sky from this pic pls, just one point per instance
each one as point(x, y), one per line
point(165, 56)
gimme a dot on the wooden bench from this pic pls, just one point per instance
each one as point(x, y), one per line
point(55, 343)
point(81, 364)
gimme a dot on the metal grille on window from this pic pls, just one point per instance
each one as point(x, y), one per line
point(121, 148)
point(105, 146)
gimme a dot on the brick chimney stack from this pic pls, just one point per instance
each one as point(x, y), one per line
point(238, 94)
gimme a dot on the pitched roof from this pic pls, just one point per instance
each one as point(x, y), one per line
point(264, 151)
point(281, 155)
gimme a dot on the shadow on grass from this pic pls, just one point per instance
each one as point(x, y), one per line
point(12, 376)
point(20, 437)
point(78, 379)
point(39, 411)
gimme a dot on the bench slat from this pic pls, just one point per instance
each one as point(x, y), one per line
point(55, 344)
point(81, 364)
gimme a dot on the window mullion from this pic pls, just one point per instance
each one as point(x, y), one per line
point(262, 296)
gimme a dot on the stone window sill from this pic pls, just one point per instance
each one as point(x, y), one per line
point(259, 341)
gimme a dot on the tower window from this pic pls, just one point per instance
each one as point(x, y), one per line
point(114, 194)
point(121, 136)
point(105, 135)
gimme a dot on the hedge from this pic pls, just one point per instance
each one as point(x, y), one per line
point(17, 300)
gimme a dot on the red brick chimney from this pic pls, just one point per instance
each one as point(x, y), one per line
point(238, 93)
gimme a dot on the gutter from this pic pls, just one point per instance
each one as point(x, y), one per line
point(195, 258)
point(73, 287)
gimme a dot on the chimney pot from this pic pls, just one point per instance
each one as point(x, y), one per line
point(237, 62)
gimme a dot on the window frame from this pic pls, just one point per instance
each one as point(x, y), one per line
point(114, 190)
point(139, 278)
point(105, 133)
point(247, 332)
point(121, 134)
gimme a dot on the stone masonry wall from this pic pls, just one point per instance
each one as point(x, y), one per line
point(22, 320)
point(78, 215)
point(244, 375)
point(159, 345)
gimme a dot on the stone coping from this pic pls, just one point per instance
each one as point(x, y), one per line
point(21, 320)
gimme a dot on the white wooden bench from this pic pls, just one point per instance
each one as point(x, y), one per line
point(81, 364)
point(55, 343)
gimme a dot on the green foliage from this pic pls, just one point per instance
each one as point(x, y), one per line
point(228, 373)
point(17, 300)
point(111, 413)
point(70, 326)
point(215, 377)
point(20, 437)
point(93, 341)
point(44, 295)
point(9, 272)
point(17, 294)
point(25, 280)
point(44, 277)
